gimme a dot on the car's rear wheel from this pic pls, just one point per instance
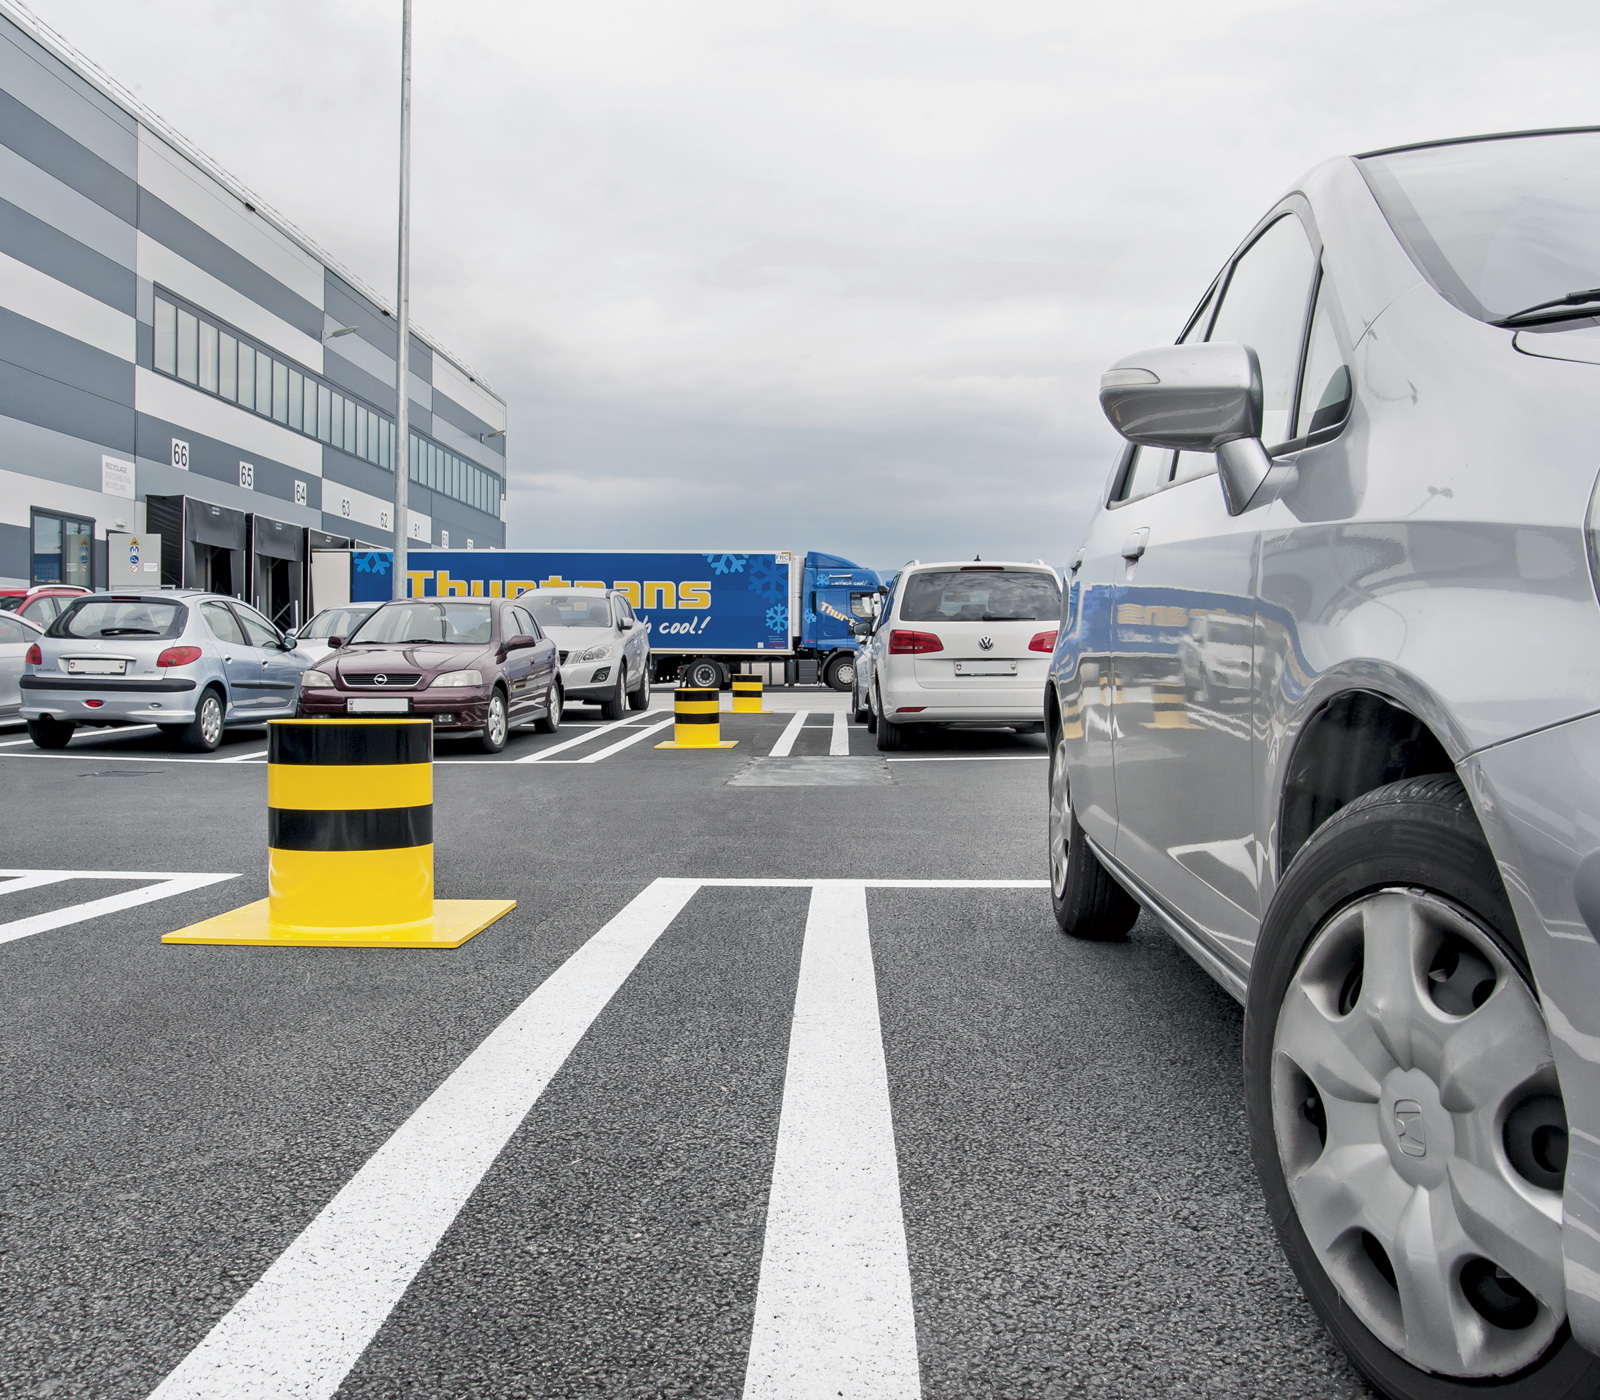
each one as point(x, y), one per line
point(1086, 901)
point(204, 732)
point(615, 703)
point(493, 738)
point(890, 736)
point(859, 708)
point(550, 720)
point(1405, 1117)
point(639, 696)
point(48, 733)
point(872, 712)
point(840, 672)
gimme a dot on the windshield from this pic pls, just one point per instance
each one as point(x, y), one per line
point(398, 623)
point(583, 609)
point(120, 617)
point(13, 601)
point(335, 622)
point(979, 594)
point(1497, 225)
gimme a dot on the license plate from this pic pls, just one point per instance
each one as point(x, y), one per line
point(986, 668)
point(398, 705)
point(95, 666)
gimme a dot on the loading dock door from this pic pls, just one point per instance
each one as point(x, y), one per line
point(277, 571)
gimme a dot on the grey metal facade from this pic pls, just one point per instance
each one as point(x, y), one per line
point(106, 213)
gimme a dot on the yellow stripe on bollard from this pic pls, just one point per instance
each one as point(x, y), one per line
point(350, 845)
point(747, 695)
point(697, 719)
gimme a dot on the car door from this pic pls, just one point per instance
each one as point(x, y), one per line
point(240, 663)
point(546, 660)
point(15, 639)
point(1184, 628)
point(279, 668)
point(634, 647)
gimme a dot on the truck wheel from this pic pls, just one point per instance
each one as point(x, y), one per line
point(48, 733)
point(703, 674)
point(614, 704)
point(639, 696)
point(840, 672)
point(1391, 1021)
point(1086, 901)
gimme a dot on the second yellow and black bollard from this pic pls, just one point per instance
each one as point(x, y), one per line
point(747, 695)
point(697, 719)
point(350, 844)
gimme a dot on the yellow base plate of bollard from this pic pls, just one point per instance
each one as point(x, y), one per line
point(454, 922)
point(725, 744)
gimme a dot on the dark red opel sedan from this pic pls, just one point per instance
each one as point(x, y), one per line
point(473, 666)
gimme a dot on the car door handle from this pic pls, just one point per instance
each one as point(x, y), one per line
point(1133, 546)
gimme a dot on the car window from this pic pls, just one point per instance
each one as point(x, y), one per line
point(456, 623)
point(1325, 389)
point(120, 617)
point(524, 623)
point(260, 632)
point(335, 622)
point(13, 631)
point(1264, 307)
point(977, 593)
point(582, 607)
point(624, 612)
point(1149, 471)
point(223, 624)
point(43, 610)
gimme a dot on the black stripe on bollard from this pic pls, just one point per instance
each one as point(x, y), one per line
point(345, 744)
point(375, 829)
point(696, 692)
point(696, 719)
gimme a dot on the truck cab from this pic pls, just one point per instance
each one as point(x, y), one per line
point(835, 594)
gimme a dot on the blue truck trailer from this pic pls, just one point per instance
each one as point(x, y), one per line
point(709, 614)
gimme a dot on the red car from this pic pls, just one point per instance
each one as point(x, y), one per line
point(473, 666)
point(41, 604)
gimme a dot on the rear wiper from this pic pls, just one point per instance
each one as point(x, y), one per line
point(1572, 299)
point(128, 632)
point(1005, 617)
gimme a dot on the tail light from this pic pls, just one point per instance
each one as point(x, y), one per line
point(34, 657)
point(1043, 641)
point(178, 656)
point(913, 643)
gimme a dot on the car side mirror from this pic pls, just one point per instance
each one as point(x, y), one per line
point(1194, 398)
point(521, 643)
point(861, 628)
point(334, 643)
point(625, 624)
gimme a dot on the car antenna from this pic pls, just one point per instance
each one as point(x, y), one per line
point(977, 558)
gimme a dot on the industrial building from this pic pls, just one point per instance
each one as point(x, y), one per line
point(178, 359)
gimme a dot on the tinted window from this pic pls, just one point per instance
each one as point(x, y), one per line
point(980, 595)
point(1264, 307)
point(461, 623)
point(1149, 470)
point(257, 629)
point(223, 624)
point(13, 631)
point(583, 608)
point(120, 617)
point(335, 622)
point(1497, 225)
point(1325, 391)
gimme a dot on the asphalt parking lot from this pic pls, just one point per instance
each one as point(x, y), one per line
point(1019, 1169)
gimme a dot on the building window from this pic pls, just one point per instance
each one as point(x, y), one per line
point(208, 357)
point(188, 347)
point(280, 391)
point(247, 377)
point(227, 366)
point(166, 337)
point(63, 549)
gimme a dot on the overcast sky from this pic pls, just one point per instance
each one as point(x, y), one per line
point(757, 274)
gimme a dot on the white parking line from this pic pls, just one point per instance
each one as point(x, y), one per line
point(790, 733)
point(833, 1308)
point(545, 754)
point(300, 1329)
point(624, 743)
point(242, 757)
point(839, 744)
point(12, 743)
point(167, 886)
point(972, 758)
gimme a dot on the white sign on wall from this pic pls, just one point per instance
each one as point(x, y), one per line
point(299, 493)
point(116, 477)
point(180, 454)
point(247, 476)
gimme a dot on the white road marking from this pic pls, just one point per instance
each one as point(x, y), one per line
point(833, 1309)
point(242, 757)
point(167, 886)
point(839, 744)
point(790, 733)
point(12, 743)
point(624, 743)
point(544, 754)
point(972, 758)
point(301, 1328)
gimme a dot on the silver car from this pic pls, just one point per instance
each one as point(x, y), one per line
point(190, 663)
point(17, 634)
point(1326, 703)
point(603, 647)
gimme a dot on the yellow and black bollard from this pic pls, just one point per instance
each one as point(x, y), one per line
point(747, 695)
point(350, 844)
point(697, 719)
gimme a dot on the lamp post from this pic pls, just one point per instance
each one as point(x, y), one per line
point(402, 460)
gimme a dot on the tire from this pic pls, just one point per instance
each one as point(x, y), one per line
point(614, 704)
point(703, 674)
point(859, 709)
point(1087, 902)
point(48, 733)
point(890, 736)
point(495, 726)
point(840, 672)
point(203, 734)
point(639, 696)
point(171, 731)
point(1398, 881)
point(872, 712)
point(555, 702)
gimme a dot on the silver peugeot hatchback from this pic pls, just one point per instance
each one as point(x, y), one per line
point(1326, 703)
point(190, 663)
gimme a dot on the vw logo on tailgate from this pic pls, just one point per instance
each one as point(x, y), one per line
point(987, 643)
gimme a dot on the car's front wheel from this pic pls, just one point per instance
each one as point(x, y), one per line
point(493, 738)
point(1086, 901)
point(639, 696)
point(612, 706)
point(1405, 1116)
point(203, 733)
point(550, 720)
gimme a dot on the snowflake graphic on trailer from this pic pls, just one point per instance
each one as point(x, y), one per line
point(769, 580)
point(727, 563)
point(373, 563)
point(778, 618)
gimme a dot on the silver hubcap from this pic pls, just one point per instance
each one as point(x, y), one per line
point(497, 720)
point(1418, 1121)
point(1060, 817)
point(847, 674)
point(210, 720)
point(555, 702)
